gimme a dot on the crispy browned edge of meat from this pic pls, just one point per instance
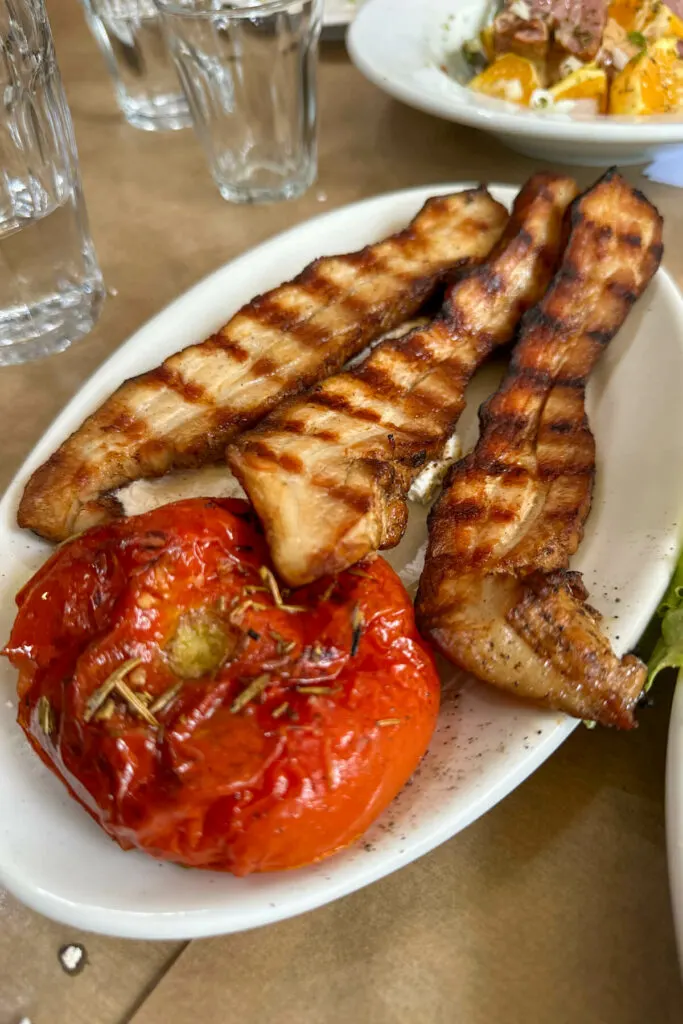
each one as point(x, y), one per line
point(560, 584)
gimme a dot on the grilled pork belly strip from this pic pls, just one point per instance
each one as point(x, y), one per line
point(495, 595)
point(328, 473)
point(183, 413)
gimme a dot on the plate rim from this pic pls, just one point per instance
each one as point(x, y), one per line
point(674, 812)
point(181, 924)
point(526, 123)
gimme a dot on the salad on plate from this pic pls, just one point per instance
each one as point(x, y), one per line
point(623, 57)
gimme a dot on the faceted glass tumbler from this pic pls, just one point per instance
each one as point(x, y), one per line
point(129, 35)
point(51, 287)
point(249, 72)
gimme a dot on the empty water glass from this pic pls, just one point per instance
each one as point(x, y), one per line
point(249, 71)
point(147, 88)
point(50, 284)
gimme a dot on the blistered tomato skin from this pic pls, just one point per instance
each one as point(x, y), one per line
point(203, 715)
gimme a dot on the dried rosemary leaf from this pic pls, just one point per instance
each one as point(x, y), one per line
point(357, 623)
point(244, 606)
point(327, 594)
point(46, 716)
point(98, 698)
point(388, 721)
point(317, 690)
point(255, 687)
point(270, 581)
point(165, 698)
point(359, 572)
point(133, 701)
point(280, 710)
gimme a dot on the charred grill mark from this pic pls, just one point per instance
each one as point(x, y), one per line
point(260, 449)
point(622, 291)
point(228, 345)
point(495, 467)
point(603, 338)
point(359, 502)
point(548, 470)
point(502, 515)
point(292, 426)
point(465, 511)
point(265, 367)
point(379, 380)
point(316, 285)
point(126, 423)
point(190, 391)
point(508, 423)
point(290, 463)
point(340, 403)
point(540, 319)
point(525, 239)
point(576, 383)
point(329, 436)
point(563, 426)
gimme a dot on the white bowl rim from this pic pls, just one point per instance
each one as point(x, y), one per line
point(493, 115)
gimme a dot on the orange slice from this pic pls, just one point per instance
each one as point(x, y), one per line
point(663, 23)
point(649, 18)
point(651, 83)
point(628, 13)
point(586, 83)
point(510, 78)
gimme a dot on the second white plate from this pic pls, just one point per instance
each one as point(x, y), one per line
point(53, 857)
point(404, 46)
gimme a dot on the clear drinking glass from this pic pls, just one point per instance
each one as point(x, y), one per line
point(249, 71)
point(147, 88)
point(50, 284)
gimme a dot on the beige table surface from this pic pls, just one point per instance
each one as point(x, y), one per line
point(552, 909)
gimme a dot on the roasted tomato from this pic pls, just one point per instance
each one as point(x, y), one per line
point(204, 715)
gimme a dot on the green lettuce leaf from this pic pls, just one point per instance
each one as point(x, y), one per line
point(668, 650)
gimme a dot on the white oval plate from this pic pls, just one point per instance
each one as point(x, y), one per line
point(401, 46)
point(53, 857)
